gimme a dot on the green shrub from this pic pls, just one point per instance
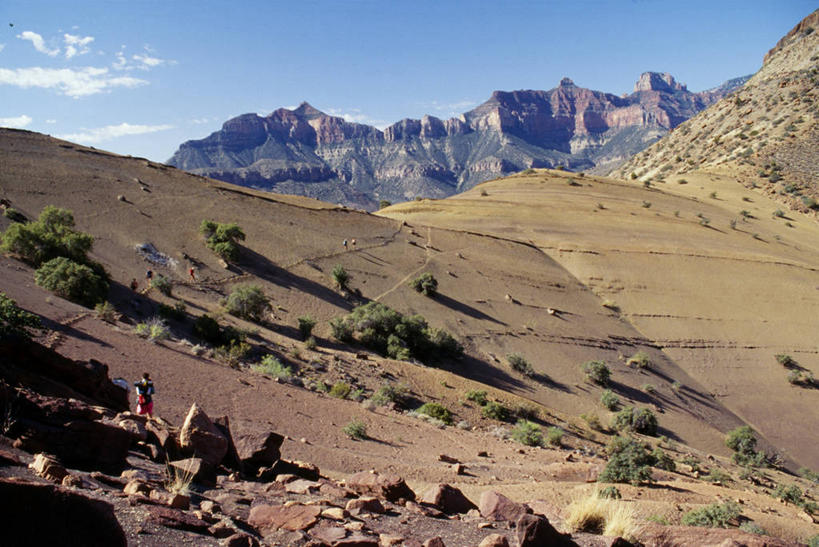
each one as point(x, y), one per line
point(526, 411)
point(162, 284)
point(340, 390)
point(649, 388)
point(663, 460)
point(789, 493)
point(389, 333)
point(743, 442)
point(597, 372)
point(106, 312)
point(233, 353)
point(554, 436)
point(51, 236)
point(477, 396)
point(391, 393)
point(306, 324)
point(785, 360)
point(14, 215)
point(609, 400)
point(716, 515)
point(753, 528)
point(806, 473)
point(813, 541)
point(177, 311)
point(610, 493)
point(14, 321)
point(247, 302)
point(639, 420)
point(495, 411)
point(593, 421)
point(153, 329)
point(72, 281)
point(436, 411)
point(208, 329)
point(640, 360)
point(519, 363)
point(425, 283)
point(340, 276)
point(527, 433)
point(629, 461)
point(355, 430)
point(271, 366)
point(717, 475)
point(222, 239)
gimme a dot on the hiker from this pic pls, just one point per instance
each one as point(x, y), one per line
point(345, 244)
point(145, 389)
point(149, 276)
point(134, 284)
point(192, 272)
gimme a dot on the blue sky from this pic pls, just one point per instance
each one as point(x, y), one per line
point(140, 77)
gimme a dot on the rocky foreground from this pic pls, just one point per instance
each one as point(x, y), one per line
point(76, 467)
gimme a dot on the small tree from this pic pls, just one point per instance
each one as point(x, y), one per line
point(639, 420)
point(73, 281)
point(629, 461)
point(609, 399)
point(597, 372)
point(222, 239)
point(248, 302)
point(340, 276)
point(527, 433)
point(425, 283)
point(15, 322)
point(743, 442)
point(306, 324)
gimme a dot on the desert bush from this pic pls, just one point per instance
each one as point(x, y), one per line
point(437, 411)
point(72, 281)
point(162, 284)
point(526, 411)
point(785, 360)
point(554, 436)
point(425, 283)
point(340, 390)
point(597, 515)
point(639, 420)
point(753, 528)
point(593, 421)
point(391, 393)
point(340, 276)
point(629, 461)
point(208, 329)
point(271, 366)
point(222, 239)
point(717, 475)
point(609, 400)
point(14, 321)
point(609, 492)
point(527, 433)
point(808, 474)
point(649, 388)
point(716, 515)
point(50, 236)
point(106, 312)
point(389, 333)
point(311, 343)
point(247, 302)
point(495, 411)
point(477, 396)
point(519, 363)
point(640, 360)
point(789, 493)
point(154, 329)
point(306, 324)
point(233, 353)
point(177, 311)
point(355, 430)
point(663, 460)
point(743, 442)
point(597, 372)
point(14, 215)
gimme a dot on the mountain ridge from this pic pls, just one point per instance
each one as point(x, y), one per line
point(305, 151)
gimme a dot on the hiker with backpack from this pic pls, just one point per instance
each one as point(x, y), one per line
point(145, 390)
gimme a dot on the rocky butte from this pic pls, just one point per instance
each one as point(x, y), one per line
point(305, 151)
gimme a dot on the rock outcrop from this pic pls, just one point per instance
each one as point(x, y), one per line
point(305, 151)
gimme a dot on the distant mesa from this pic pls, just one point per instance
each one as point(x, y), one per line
point(308, 152)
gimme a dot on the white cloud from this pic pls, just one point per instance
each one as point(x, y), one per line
point(38, 43)
point(146, 61)
point(201, 121)
point(18, 122)
point(101, 134)
point(2, 47)
point(451, 109)
point(76, 45)
point(51, 121)
point(138, 61)
point(79, 82)
point(354, 115)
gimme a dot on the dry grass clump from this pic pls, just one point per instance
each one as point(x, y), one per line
point(597, 515)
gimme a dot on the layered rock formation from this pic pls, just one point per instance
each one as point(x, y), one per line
point(305, 151)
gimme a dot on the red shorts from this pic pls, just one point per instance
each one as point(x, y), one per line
point(147, 408)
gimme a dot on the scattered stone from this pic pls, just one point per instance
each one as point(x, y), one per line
point(137, 487)
point(424, 510)
point(365, 504)
point(174, 518)
point(357, 540)
point(288, 517)
point(72, 481)
point(136, 429)
point(448, 499)
point(241, 540)
point(390, 487)
point(483, 454)
point(434, 542)
point(535, 531)
point(301, 469)
point(447, 459)
point(209, 506)
point(221, 530)
point(388, 540)
point(48, 467)
point(328, 533)
point(495, 506)
point(356, 526)
point(195, 469)
point(494, 540)
point(302, 486)
point(171, 499)
point(131, 474)
point(200, 436)
point(259, 449)
point(8, 459)
point(335, 513)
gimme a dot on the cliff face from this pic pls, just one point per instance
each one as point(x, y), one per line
point(306, 151)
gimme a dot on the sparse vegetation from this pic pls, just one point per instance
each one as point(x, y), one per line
point(639, 420)
point(437, 411)
point(356, 430)
point(233, 353)
point(593, 421)
point(519, 363)
point(640, 360)
point(162, 284)
point(743, 442)
point(597, 372)
point(716, 515)
point(527, 433)
point(753, 528)
point(222, 239)
point(306, 324)
point(390, 393)
point(609, 492)
point(554, 436)
point(609, 400)
point(785, 360)
point(14, 321)
point(477, 396)
point(597, 515)
point(271, 366)
point(340, 277)
point(718, 476)
point(175, 312)
point(663, 460)
point(107, 312)
point(425, 283)
point(340, 390)
point(495, 411)
point(154, 329)
point(247, 302)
